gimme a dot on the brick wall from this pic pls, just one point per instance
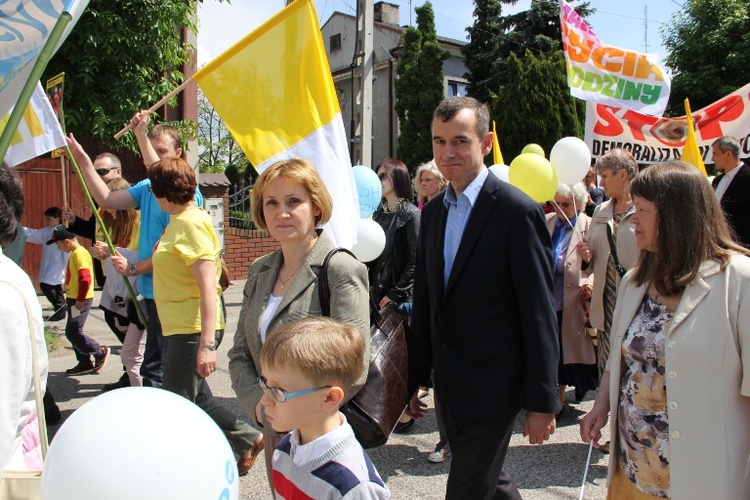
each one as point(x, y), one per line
point(243, 246)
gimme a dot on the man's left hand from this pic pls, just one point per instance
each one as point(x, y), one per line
point(539, 426)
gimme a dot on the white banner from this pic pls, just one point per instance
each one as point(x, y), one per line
point(25, 26)
point(610, 75)
point(38, 132)
point(652, 139)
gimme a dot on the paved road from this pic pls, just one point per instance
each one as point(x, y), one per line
point(551, 471)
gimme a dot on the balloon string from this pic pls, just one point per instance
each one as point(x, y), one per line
point(580, 234)
point(586, 471)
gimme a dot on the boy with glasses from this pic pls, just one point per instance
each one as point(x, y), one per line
point(308, 366)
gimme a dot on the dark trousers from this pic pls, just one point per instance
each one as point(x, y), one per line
point(156, 348)
point(83, 345)
point(478, 451)
point(56, 297)
point(181, 378)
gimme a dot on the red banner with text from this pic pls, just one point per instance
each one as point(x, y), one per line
point(653, 139)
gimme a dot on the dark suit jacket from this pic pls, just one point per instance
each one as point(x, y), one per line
point(491, 335)
point(736, 204)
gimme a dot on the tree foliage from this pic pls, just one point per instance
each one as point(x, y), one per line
point(709, 51)
point(218, 152)
point(419, 88)
point(494, 37)
point(481, 52)
point(122, 56)
point(536, 105)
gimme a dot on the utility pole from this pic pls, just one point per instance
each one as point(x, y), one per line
point(645, 28)
point(361, 126)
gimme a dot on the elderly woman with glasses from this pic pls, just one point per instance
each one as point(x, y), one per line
point(572, 288)
point(677, 385)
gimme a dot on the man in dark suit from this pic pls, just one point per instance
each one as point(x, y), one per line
point(733, 187)
point(483, 315)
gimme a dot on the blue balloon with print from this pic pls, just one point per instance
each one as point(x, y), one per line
point(369, 190)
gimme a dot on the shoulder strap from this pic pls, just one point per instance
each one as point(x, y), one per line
point(35, 369)
point(324, 290)
point(613, 252)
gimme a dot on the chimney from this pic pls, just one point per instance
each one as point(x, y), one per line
point(386, 13)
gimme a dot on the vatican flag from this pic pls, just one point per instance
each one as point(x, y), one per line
point(274, 91)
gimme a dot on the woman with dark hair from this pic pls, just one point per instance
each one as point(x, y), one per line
point(188, 295)
point(392, 273)
point(611, 228)
point(678, 377)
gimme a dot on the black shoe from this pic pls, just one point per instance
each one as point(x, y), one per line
point(580, 395)
point(123, 382)
point(559, 415)
point(81, 369)
point(403, 427)
point(57, 317)
point(101, 359)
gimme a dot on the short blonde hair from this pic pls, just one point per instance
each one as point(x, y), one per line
point(430, 167)
point(322, 349)
point(295, 170)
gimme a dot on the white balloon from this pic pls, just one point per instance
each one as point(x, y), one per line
point(571, 159)
point(370, 240)
point(139, 442)
point(501, 172)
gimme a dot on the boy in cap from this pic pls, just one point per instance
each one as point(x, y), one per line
point(79, 292)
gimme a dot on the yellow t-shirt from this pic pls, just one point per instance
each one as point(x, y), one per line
point(188, 237)
point(80, 258)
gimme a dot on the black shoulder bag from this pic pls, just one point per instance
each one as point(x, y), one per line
point(613, 251)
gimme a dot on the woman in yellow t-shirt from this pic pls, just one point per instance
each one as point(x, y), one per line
point(187, 294)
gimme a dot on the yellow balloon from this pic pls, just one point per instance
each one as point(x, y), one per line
point(534, 175)
point(533, 148)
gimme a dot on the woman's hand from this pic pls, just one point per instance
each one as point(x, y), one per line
point(591, 425)
point(384, 301)
point(587, 291)
point(584, 250)
point(205, 362)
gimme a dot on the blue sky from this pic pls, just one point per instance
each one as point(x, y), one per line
point(617, 22)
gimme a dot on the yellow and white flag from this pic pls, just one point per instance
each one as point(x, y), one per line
point(274, 91)
point(39, 131)
point(691, 152)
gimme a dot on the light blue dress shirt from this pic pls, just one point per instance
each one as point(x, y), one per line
point(459, 209)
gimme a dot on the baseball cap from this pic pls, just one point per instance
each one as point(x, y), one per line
point(60, 233)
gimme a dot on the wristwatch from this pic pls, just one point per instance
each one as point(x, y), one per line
point(210, 347)
point(133, 270)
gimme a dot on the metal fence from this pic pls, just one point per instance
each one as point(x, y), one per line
point(239, 206)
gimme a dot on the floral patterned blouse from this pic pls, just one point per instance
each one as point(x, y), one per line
point(643, 422)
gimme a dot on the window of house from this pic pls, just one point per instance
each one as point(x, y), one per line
point(335, 42)
point(457, 88)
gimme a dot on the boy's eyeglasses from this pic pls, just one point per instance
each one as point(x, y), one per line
point(280, 395)
point(382, 176)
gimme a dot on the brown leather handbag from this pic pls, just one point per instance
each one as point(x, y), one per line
point(374, 411)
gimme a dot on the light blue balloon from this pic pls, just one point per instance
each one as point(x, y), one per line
point(369, 190)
